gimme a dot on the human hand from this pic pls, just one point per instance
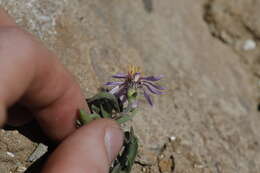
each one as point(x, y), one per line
point(32, 76)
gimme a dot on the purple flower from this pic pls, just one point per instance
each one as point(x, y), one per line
point(134, 80)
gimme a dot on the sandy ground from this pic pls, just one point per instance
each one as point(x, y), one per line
point(208, 122)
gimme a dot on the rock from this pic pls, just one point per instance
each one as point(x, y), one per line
point(240, 22)
point(249, 45)
point(40, 150)
point(165, 165)
point(147, 157)
point(21, 169)
point(10, 154)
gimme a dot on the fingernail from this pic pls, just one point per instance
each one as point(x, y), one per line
point(113, 142)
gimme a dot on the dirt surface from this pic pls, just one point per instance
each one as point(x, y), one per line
point(208, 121)
point(14, 151)
point(237, 24)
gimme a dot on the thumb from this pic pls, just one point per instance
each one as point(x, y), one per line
point(90, 149)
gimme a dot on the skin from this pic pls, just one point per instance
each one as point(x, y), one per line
point(34, 84)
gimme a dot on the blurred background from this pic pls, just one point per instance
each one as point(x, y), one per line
point(208, 50)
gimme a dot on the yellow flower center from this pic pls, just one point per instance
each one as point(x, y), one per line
point(133, 69)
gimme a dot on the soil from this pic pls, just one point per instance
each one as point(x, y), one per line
point(208, 50)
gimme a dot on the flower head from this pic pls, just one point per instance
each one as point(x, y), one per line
point(133, 80)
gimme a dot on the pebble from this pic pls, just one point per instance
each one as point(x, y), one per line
point(200, 166)
point(249, 45)
point(161, 156)
point(38, 152)
point(21, 169)
point(10, 154)
point(172, 138)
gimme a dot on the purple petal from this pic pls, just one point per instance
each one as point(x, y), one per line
point(155, 86)
point(120, 76)
point(152, 89)
point(148, 98)
point(121, 92)
point(118, 91)
point(114, 90)
point(114, 83)
point(152, 78)
point(123, 98)
point(137, 76)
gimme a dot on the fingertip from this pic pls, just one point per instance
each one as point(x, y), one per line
point(89, 149)
point(112, 136)
point(58, 120)
point(5, 19)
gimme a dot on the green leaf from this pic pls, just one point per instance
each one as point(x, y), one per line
point(130, 151)
point(85, 118)
point(106, 95)
point(116, 169)
point(123, 119)
point(94, 116)
point(125, 162)
point(94, 108)
point(104, 113)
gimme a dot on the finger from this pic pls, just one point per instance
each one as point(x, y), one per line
point(90, 149)
point(32, 74)
point(5, 19)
